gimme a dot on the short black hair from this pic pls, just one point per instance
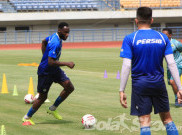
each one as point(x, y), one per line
point(168, 30)
point(62, 24)
point(144, 15)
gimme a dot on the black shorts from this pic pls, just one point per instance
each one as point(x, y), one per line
point(45, 81)
point(142, 104)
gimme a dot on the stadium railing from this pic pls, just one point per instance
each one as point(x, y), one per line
point(76, 35)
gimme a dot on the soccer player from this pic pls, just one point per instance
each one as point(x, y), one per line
point(143, 51)
point(177, 49)
point(49, 71)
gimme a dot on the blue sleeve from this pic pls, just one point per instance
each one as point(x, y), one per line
point(168, 49)
point(126, 49)
point(47, 39)
point(52, 50)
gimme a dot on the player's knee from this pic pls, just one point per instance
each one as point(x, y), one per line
point(72, 88)
point(144, 120)
point(68, 86)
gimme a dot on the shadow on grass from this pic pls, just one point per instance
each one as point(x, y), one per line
point(55, 122)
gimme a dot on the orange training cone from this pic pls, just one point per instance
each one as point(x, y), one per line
point(4, 89)
point(30, 89)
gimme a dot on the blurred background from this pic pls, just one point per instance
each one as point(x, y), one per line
point(30, 21)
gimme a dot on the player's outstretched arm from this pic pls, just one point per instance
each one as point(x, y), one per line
point(53, 62)
point(44, 44)
point(125, 71)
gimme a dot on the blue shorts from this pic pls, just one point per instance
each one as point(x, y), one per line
point(45, 81)
point(142, 104)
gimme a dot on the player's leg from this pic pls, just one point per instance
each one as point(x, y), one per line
point(161, 106)
point(174, 86)
point(145, 124)
point(36, 104)
point(175, 90)
point(68, 88)
point(169, 124)
point(141, 106)
point(171, 82)
point(44, 83)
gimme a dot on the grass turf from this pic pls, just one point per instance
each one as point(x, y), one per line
point(93, 94)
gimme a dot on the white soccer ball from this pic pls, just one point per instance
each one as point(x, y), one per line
point(88, 121)
point(29, 98)
point(36, 96)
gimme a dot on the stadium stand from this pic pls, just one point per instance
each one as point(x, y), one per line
point(5, 6)
point(83, 5)
point(1, 8)
point(58, 5)
point(88, 26)
point(133, 4)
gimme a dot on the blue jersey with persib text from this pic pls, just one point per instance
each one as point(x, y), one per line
point(146, 48)
point(53, 50)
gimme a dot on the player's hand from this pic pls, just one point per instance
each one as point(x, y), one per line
point(179, 94)
point(123, 99)
point(71, 64)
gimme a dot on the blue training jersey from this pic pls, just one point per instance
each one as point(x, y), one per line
point(146, 48)
point(53, 50)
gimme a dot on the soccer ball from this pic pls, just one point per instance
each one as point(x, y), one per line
point(29, 99)
point(36, 96)
point(88, 121)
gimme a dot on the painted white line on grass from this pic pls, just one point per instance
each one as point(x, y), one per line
point(90, 72)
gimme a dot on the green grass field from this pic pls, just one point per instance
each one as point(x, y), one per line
point(93, 95)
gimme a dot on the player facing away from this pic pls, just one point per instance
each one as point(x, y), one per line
point(143, 51)
point(177, 49)
point(49, 71)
